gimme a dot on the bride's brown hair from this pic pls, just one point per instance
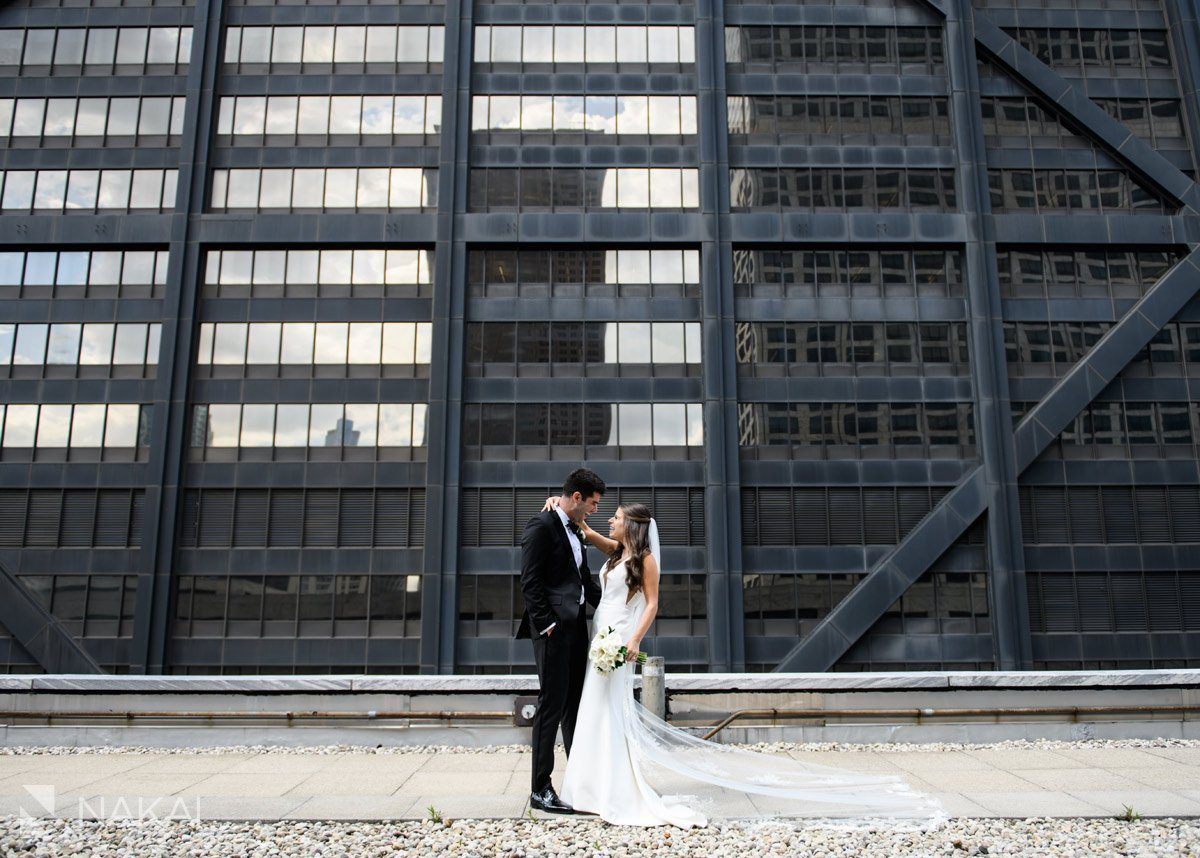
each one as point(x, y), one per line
point(637, 534)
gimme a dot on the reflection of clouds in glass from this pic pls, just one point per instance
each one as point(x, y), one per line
point(331, 343)
point(291, 425)
point(96, 347)
point(87, 425)
point(569, 113)
point(368, 266)
point(345, 114)
point(670, 424)
point(52, 190)
point(633, 266)
point(297, 343)
point(377, 114)
point(634, 346)
point(365, 342)
point(31, 345)
point(54, 426)
point(249, 115)
point(20, 425)
point(336, 266)
point(634, 420)
point(408, 114)
point(611, 331)
point(258, 425)
point(121, 425)
point(281, 114)
point(373, 188)
point(505, 112)
point(262, 343)
point(395, 424)
point(64, 344)
point(361, 420)
point(600, 113)
point(667, 342)
point(366, 424)
point(537, 112)
point(274, 267)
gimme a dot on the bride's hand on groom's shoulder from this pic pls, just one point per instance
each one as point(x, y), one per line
point(551, 503)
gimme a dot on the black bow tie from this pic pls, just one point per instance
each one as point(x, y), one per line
point(575, 529)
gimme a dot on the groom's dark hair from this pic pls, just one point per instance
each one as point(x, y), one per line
point(586, 482)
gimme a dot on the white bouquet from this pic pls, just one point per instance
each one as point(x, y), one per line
point(607, 653)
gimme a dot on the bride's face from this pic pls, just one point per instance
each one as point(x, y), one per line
point(616, 525)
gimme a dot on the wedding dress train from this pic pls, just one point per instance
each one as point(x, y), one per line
point(624, 759)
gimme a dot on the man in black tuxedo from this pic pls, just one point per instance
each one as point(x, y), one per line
point(556, 582)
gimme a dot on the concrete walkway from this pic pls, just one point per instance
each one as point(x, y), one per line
point(1006, 782)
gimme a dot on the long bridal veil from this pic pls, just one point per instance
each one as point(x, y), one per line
point(733, 783)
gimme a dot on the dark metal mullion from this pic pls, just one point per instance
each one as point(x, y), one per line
point(440, 570)
point(726, 635)
point(151, 627)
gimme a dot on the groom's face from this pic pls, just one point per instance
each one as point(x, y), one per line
point(582, 507)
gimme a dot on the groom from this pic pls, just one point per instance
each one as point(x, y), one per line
point(556, 581)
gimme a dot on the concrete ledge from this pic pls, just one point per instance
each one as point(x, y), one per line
point(676, 683)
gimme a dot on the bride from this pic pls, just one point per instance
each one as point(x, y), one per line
point(625, 756)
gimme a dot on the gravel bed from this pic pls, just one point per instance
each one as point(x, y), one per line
point(524, 839)
point(770, 747)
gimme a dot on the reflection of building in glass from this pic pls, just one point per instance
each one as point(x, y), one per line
point(578, 312)
point(342, 434)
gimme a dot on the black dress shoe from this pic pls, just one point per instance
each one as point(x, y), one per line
point(549, 801)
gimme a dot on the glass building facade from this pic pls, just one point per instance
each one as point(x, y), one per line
point(884, 306)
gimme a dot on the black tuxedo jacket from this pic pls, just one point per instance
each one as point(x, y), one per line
point(550, 581)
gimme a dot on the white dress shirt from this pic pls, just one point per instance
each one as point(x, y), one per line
point(577, 549)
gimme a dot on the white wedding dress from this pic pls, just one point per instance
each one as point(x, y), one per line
point(624, 757)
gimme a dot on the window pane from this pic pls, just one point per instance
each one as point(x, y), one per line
point(395, 424)
point(31, 345)
point(331, 343)
point(223, 423)
point(258, 425)
point(20, 425)
point(229, 343)
point(64, 344)
point(365, 342)
point(634, 424)
point(263, 343)
point(360, 423)
point(87, 426)
point(670, 424)
point(399, 339)
point(325, 426)
point(297, 343)
point(54, 424)
point(291, 425)
point(96, 348)
point(130, 346)
point(121, 425)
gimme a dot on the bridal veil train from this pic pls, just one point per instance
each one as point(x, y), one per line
point(630, 767)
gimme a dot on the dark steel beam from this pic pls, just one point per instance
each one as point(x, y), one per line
point(1105, 360)
point(39, 631)
point(1070, 100)
point(168, 441)
point(899, 569)
point(439, 576)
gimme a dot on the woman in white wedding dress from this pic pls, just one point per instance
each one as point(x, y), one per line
point(623, 755)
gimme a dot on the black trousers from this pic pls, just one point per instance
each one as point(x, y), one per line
point(561, 660)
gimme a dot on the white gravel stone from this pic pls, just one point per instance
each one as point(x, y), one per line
point(525, 839)
point(770, 747)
